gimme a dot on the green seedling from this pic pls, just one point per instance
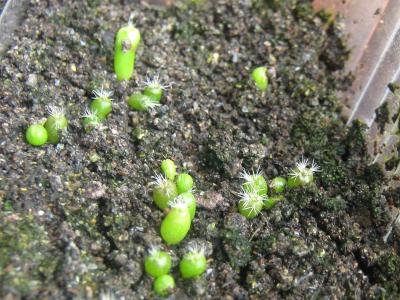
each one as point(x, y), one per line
point(193, 263)
point(184, 183)
point(90, 120)
point(176, 224)
point(154, 89)
point(303, 173)
point(164, 285)
point(157, 263)
point(141, 102)
point(36, 135)
point(55, 123)
point(102, 103)
point(254, 182)
point(126, 42)
point(259, 75)
point(190, 201)
point(251, 203)
point(169, 168)
point(270, 202)
point(164, 191)
point(278, 184)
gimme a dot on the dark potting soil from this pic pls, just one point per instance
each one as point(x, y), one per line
point(77, 218)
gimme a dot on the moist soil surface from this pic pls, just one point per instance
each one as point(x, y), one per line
point(77, 218)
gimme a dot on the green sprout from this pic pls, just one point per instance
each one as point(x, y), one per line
point(169, 168)
point(36, 135)
point(55, 123)
point(251, 202)
point(140, 102)
point(157, 263)
point(193, 263)
point(126, 42)
point(154, 89)
point(303, 173)
point(190, 201)
point(184, 183)
point(278, 184)
point(164, 285)
point(176, 224)
point(259, 75)
point(90, 120)
point(164, 191)
point(254, 182)
point(102, 103)
point(270, 202)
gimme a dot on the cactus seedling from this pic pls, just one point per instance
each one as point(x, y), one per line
point(254, 182)
point(164, 191)
point(157, 263)
point(141, 102)
point(259, 75)
point(169, 168)
point(90, 120)
point(126, 42)
point(190, 201)
point(36, 135)
point(251, 202)
point(176, 224)
point(184, 183)
point(193, 263)
point(278, 184)
point(164, 285)
point(154, 89)
point(303, 173)
point(55, 123)
point(102, 103)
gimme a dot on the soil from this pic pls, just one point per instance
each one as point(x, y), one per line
point(77, 218)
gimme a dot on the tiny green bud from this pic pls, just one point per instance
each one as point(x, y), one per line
point(36, 135)
point(126, 42)
point(55, 123)
point(140, 102)
point(259, 75)
point(270, 202)
point(278, 184)
point(102, 103)
point(251, 203)
point(154, 89)
point(169, 168)
point(193, 263)
point(302, 174)
point(164, 285)
point(176, 224)
point(190, 201)
point(184, 183)
point(90, 120)
point(157, 263)
point(164, 191)
point(254, 182)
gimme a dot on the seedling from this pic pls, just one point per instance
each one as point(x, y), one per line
point(193, 263)
point(259, 75)
point(164, 191)
point(176, 224)
point(36, 135)
point(278, 184)
point(126, 43)
point(90, 120)
point(251, 202)
point(154, 89)
point(141, 102)
point(184, 183)
point(157, 263)
point(55, 123)
point(254, 182)
point(270, 202)
point(303, 173)
point(190, 201)
point(169, 168)
point(102, 103)
point(164, 285)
